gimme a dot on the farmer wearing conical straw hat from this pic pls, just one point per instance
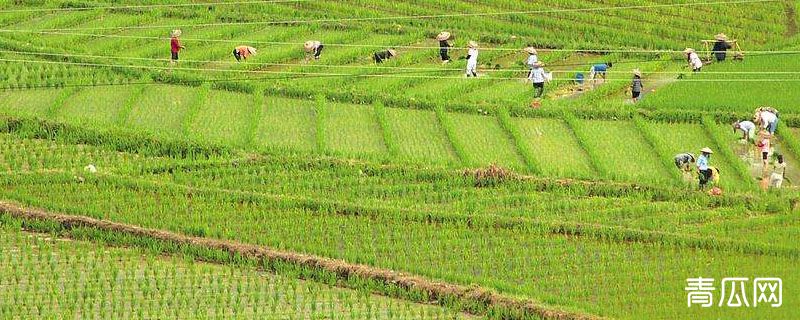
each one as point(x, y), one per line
point(383, 55)
point(243, 52)
point(538, 77)
point(175, 45)
point(472, 59)
point(636, 85)
point(314, 47)
point(694, 60)
point(703, 168)
point(721, 47)
point(444, 46)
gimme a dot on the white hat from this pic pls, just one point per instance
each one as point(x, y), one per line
point(706, 150)
point(688, 50)
point(530, 50)
point(637, 72)
point(175, 33)
point(472, 44)
point(252, 50)
point(310, 44)
point(444, 35)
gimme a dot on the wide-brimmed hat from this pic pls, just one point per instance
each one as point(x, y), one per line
point(721, 36)
point(309, 45)
point(444, 35)
point(392, 52)
point(637, 72)
point(175, 33)
point(472, 44)
point(688, 50)
point(706, 150)
point(252, 50)
point(530, 50)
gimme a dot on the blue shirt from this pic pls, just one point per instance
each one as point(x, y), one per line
point(600, 67)
point(702, 162)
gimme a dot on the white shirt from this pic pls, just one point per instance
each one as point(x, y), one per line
point(747, 126)
point(767, 118)
point(473, 55)
point(537, 75)
point(695, 60)
point(531, 60)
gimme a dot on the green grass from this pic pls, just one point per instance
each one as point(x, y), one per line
point(55, 277)
point(286, 123)
point(419, 136)
point(29, 103)
point(99, 107)
point(485, 142)
point(223, 118)
point(351, 129)
point(161, 109)
point(554, 147)
point(621, 150)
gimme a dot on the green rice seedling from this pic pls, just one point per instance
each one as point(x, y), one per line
point(554, 147)
point(352, 129)
point(287, 124)
point(419, 136)
point(153, 113)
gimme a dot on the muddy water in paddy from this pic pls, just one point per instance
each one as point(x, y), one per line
point(748, 153)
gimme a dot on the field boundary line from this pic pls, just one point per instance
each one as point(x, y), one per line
point(574, 127)
point(127, 108)
point(58, 105)
point(512, 131)
point(449, 131)
point(194, 109)
point(662, 154)
point(476, 300)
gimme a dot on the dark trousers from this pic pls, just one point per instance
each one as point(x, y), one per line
point(720, 56)
point(705, 176)
point(443, 52)
point(317, 52)
point(237, 55)
point(538, 89)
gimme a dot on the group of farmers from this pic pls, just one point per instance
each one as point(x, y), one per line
point(759, 133)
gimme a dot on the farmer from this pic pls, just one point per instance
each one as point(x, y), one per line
point(175, 45)
point(538, 77)
point(748, 129)
point(765, 145)
point(694, 60)
point(721, 47)
point(768, 118)
point(472, 59)
point(636, 85)
point(599, 71)
point(684, 161)
point(778, 173)
point(313, 47)
point(444, 46)
point(532, 56)
point(705, 172)
point(243, 52)
point(383, 55)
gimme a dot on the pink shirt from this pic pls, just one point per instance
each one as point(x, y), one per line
point(765, 145)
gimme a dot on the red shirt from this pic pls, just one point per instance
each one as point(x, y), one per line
point(176, 44)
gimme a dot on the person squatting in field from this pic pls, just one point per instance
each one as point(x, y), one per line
point(175, 45)
point(767, 118)
point(243, 52)
point(636, 85)
point(778, 173)
point(598, 71)
point(472, 59)
point(538, 77)
point(693, 59)
point(747, 128)
point(444, 46)
point(378, 57)
point(684, 161)
point(703, 169)
point(313, 47)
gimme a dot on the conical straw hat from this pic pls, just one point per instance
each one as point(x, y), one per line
point(472, 44)
point(706, 150)
point(688, 50)
point(175, 33)
point(721, 36)
point(637, 72)
point(444, 35)
point(310, 44)
point(530, 50)
point(252, 50)
point(392, 52)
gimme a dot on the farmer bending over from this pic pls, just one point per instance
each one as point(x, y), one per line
point(243, 52)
